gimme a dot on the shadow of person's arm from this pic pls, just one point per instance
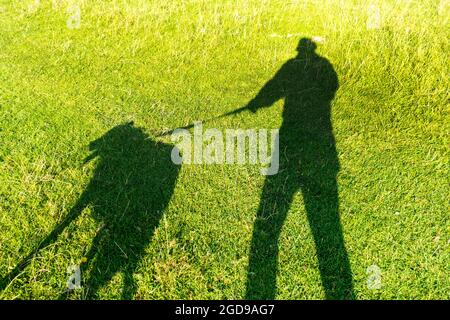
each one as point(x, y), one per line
point(271, 92)
point(328, 79)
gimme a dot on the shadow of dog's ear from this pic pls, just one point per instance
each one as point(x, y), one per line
point(90, 157)
point(130, 123)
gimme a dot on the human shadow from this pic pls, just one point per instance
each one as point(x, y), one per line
point(131, 186)
point(308, 162)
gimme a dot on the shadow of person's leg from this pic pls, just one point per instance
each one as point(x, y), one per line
point(274, 205)
point(322, 207)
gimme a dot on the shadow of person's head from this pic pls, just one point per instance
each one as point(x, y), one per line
point(306, 44)
point(306, 47)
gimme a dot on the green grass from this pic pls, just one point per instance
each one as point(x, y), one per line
point(164, 65)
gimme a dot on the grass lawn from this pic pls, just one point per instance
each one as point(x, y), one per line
point(80, 185)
